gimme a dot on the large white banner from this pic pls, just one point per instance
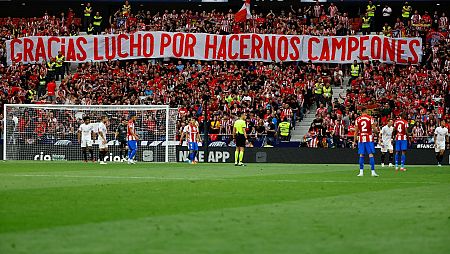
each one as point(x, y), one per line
point(236, 47)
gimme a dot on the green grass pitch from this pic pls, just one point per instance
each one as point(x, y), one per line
point(55, 207)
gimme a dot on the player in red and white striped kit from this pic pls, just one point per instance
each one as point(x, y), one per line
point(132, 139)
point(401, 141)
point(193, 137)
point(365, 125)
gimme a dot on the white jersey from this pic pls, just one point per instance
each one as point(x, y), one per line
point(101, 127)
point(86, 131)
point(441, 134)
point(386, 133)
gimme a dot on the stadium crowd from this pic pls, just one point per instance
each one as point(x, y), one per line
point(270, 92)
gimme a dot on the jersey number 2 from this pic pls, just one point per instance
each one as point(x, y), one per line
point(364, 127)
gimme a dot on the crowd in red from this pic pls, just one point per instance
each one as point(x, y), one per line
point(386, 91)
point(270, 92)
point(307, 20)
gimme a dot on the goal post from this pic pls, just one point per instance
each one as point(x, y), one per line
point(49, 132)
point(4, 132)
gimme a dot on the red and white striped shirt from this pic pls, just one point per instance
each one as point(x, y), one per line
point(312, 141)
point(345, 22)
point(339, 129)
point(191, 133)
point(131, 132)
point(321, 111)
point(333, 10)
point(226, 126)
point(400, 126)
point(287, 112)
point(364, 124)
point(235, 111)
point(418, 131)
point(226, 25)
point(317, 10)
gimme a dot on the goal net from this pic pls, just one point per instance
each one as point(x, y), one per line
point(49, 132)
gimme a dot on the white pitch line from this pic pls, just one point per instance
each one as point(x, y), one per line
point(211, 179)
point(107, 177)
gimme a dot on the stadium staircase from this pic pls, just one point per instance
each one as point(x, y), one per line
point(72, 69)
point(302, 128)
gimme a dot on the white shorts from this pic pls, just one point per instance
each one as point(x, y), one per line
point(86, 143)
point(386, 146)
point(439, 146)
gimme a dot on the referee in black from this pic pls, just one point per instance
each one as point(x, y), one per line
point(240, 138)
point(121, 136)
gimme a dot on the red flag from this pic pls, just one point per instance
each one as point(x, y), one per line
point(244, 13)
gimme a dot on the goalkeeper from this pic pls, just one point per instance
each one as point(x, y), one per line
point(121, 136)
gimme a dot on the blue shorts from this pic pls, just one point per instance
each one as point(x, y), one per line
point(132, 144)
point(193, 146)
point(366, 148)
point(401, 145)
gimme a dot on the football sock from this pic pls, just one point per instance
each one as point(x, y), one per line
point(438, 157)
point(241, 156)
point(441, 158)
point(194, 155)
point(372, 163)
point(361, 163)
point(129, 153)
point(403, 160)
point(383, 156)
point(100, 155)
point(91, 152)
point(236, 157)
point(85, 154)
point(396, 159)
point(121, 153)
point(133, 152)
point(391, 158)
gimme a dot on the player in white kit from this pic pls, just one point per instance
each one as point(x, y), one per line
point(440, 140)
point(85, 137)
point(102, 141)
point(386, 142)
